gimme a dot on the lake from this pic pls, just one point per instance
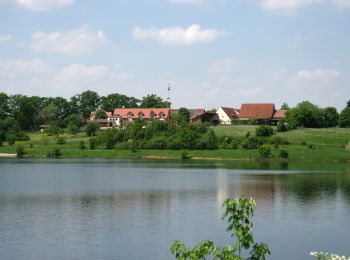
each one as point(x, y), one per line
point(135, 209)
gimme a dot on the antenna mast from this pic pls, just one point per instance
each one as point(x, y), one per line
point(168, 98)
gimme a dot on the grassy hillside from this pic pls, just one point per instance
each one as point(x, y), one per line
point(314, 145)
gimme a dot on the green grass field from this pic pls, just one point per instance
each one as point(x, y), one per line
point(328, 145)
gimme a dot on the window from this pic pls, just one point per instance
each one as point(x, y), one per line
point(141, 115)
point(130, 116)
point(161, 115)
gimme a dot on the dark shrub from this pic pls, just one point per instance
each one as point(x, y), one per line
point(185, 155)
point(82, 145)
point(251, 142)
point(61, 141)
point(311, 146)
point(212, 140)
point(20, 151)
point(265, 151)
point(54, 153)
point(11, 138)
point(264, 130)
point(91, 129)
point(93, 143)
point(283, 154)
point(282, 126)
point(277, 140)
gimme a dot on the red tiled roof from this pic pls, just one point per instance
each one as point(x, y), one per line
point(231, 112)
point(92, 115)
point(280, 114)
point(146, 112)
point(257, 111)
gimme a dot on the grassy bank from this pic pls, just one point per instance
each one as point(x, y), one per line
point(326, 145)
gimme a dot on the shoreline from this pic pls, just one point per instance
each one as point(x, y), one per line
point(8, 155)
point(175, 158)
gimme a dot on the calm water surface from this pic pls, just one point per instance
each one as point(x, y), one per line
point(124, 209)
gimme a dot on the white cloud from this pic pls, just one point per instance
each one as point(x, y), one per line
point(36, 77)
point(43, 5)
point(40, 5)
point(319, 74)
point(191, 35)
point(17, 68)
point(74, 42)
point(97, 77)
point(5, 38)
point(287, 5)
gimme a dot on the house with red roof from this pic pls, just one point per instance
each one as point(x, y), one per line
point(261, 113)
point(131, 114)
point(227, 115)
point(109, 121)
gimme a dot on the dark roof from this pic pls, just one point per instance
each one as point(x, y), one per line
point(193, 112)
point(257, 111)
point(231, 112)
point(205, 115)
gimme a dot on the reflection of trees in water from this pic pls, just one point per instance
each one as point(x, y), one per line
point(344, 184)
point(310, 187)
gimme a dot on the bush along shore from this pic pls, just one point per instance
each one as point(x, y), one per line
point(161, 140)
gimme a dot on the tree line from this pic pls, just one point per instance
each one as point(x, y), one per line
point(20, 113)
point(309, 115)
point(29, 112)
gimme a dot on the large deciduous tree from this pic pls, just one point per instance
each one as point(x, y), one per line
point(344, 118)
point(86, 102)
point(153, 101)
point(331, 116)
point(4, 105)
point(112, 101)
point(306, 114)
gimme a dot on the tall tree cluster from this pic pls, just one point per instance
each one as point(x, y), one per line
point(29, 112)
point(306, 114)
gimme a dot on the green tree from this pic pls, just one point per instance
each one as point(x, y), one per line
point(53, 129)
point(82, 145)
point(331, 116)
point(344, 118)
point(73, 129)
point(100, 114)
point(91, 129)
point(86, 102)
point(238, 213)
point(112, 101)
point(212, 141)
point(74, 119)
point(264, 130)
point(305, 114)
point(285, 106)
point(20, 151)
point(265, 151)
point(4, 105)
point(182, 116)
point(48, 114)
point(153, 101)
point(23, 110)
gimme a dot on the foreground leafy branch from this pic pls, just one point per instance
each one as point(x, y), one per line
point(238, 212)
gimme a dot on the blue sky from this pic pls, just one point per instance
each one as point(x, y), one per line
point(214, 53)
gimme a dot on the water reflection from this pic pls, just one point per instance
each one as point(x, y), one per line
point(89, 211)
